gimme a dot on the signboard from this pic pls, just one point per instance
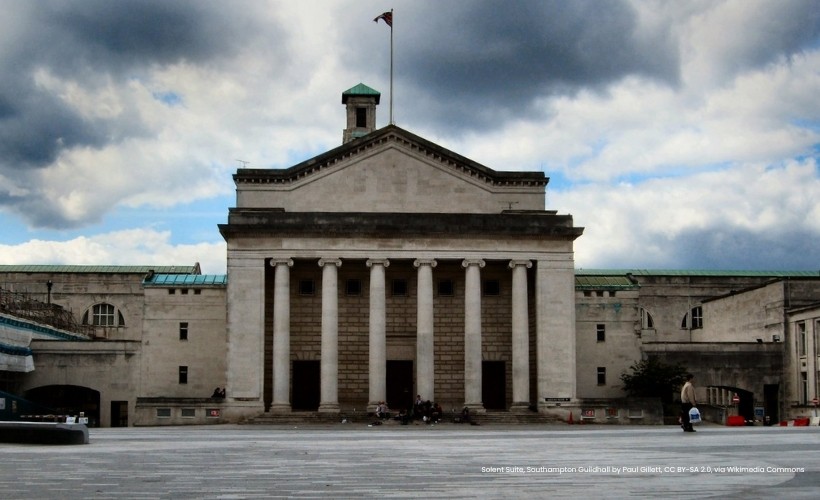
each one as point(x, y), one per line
point(735, 399)
point(214, 413)
point(559, 400)
point(588, 413)
point(759, 412)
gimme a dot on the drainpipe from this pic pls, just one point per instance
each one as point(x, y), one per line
point(49, 284)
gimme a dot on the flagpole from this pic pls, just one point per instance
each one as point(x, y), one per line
point(391, 68)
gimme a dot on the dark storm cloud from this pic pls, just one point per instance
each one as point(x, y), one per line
point(88, 41)
point(789, 27)
point(485, 58)
point(726, 248)
point(92, 42)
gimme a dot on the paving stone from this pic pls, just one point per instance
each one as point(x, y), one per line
point(442, 461)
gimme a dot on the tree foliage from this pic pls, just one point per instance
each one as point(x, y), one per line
point(651, 378)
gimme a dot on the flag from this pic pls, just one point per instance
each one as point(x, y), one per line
point(387, 17)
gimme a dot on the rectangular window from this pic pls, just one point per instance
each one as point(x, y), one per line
point(697, 317)
point(306, 287)
point(801, 339)
point(600, 331)
point(400, 288)
point(601, 375)
point(445, 288)
point(183, 374)
point(599, 293)
point(612, 413)
point(184, 291)
point(163, 413)
point(188, 412)
point(183, 331)
point(172, 291)
point(353, 287)
point(361, 117)
point(197, 291)
point(492, 288)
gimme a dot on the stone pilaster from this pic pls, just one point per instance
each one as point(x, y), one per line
point(555, 335)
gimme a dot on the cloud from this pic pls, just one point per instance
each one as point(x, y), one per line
point(749, 216)
point(637, 109)
point(130, 247)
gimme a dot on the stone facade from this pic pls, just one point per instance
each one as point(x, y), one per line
point(390, 267)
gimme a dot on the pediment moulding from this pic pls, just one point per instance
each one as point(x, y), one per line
point(391, 135)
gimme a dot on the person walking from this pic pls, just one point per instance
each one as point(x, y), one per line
point(687, 402)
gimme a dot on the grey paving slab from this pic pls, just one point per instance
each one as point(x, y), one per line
point(444, 461)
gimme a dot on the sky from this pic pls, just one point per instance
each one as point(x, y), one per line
point(680, 135)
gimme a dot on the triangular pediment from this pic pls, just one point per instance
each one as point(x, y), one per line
point(390, 170)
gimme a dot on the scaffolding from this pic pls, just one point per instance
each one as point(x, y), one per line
point(23, 306)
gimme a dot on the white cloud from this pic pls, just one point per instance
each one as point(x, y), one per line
point(130, 247)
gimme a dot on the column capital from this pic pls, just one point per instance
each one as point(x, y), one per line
point(473, 262)
point(378, 262)
point(281, 262)
point(425, 262)
point(336, 262)
point(514, 263)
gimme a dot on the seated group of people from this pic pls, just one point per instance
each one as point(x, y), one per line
point(426, 411)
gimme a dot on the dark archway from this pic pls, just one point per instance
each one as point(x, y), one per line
point(68, 400)
point(746, 405)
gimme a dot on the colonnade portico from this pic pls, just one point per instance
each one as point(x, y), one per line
point(425, 332)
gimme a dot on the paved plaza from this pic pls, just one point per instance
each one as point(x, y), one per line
point(442, 461)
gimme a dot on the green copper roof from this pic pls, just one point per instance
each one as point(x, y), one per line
point(186, 280)
point(57, 268)
point(604, 283)
point(360, 90)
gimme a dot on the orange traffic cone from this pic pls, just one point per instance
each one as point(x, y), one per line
point(570, 421)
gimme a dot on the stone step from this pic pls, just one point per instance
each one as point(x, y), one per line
point(311, 417)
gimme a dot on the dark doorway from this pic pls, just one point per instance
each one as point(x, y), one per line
point(119, 413)
point(69, 400)
point(771, 404)
point(494, 385)
point(399, 385)
point(306, 383)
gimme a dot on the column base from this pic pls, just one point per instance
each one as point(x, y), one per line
point(476, 407)
point(280, 408)
point(329, 408)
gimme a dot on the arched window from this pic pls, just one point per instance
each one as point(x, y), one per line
point(105, 315)
point(647, 323)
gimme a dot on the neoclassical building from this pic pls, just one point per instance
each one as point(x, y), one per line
point(390, 267)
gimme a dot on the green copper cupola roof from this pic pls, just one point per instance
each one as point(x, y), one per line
point(360, 90)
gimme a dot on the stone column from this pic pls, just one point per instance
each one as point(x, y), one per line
point(281, 336)
point(472, 334)
point(425, 362)
point(329, 398)
point(520, 336)
point(378, 332)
